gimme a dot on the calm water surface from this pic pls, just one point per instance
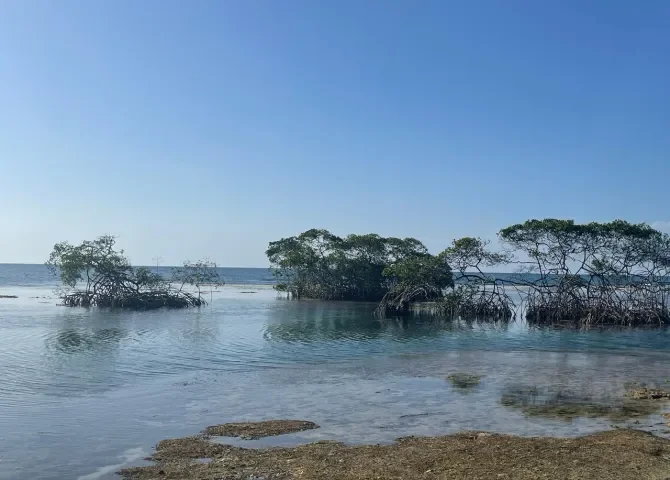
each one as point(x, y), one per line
point(85, 392)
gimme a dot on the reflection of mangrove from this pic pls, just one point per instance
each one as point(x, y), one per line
point(614, 273)
point(313, 327)
point(74, 341)
point(563, 403)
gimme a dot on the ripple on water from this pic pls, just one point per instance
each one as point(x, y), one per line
point(99, 382)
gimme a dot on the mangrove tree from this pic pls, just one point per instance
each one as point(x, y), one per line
point(318, 264)
point(615, 273)
point(94, 273)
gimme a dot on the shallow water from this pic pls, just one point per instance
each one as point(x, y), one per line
point(85, 392)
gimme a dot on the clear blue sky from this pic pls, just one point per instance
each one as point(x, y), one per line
point(208, 128)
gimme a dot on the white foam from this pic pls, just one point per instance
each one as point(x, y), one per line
point(128, 456)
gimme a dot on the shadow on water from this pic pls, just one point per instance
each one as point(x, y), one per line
point(78, 340)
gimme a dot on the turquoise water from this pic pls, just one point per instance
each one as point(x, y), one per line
point(85, 392)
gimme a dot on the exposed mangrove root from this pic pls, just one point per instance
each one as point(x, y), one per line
point(554, 306)
point(135, 300)
point(476, 301)
point(398, 301)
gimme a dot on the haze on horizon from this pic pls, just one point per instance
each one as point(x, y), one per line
point(207, 129)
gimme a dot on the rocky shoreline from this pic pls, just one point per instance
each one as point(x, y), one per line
point(620, 454)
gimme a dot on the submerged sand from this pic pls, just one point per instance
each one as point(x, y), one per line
point(617, 454)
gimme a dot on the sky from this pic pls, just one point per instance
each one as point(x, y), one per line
point(195, 129)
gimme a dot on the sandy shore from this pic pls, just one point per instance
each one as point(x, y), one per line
point(617, 454)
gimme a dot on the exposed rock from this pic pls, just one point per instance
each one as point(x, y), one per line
point(621, 454)
point(254, 430)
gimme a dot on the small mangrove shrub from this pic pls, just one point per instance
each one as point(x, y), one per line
point(95, 274)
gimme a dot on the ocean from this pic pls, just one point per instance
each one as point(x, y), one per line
point(31, 275)
point(85, 392)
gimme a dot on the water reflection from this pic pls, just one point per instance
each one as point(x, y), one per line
point(75, 340)
point(324, 321)
point(565, 403)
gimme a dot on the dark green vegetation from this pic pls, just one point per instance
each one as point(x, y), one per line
point(318, 264)
point(621, 454)
point(614, 273)
point(395, 272)
point(109, 280)
point(420, 278)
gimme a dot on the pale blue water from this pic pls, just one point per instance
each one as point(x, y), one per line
point(84, 392)
point(28, 275)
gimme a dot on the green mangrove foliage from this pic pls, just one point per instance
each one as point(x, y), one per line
point(614, 273)
point(318, 264)
point(95, 274)
point(418, 278)
point(473, 294)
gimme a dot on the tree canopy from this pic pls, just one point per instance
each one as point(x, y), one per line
point(319, 264)
point(613, 273)
point(593, 273)
point(418, 278)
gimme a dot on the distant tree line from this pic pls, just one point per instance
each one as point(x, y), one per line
point(93, 273)
point(614, 273)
